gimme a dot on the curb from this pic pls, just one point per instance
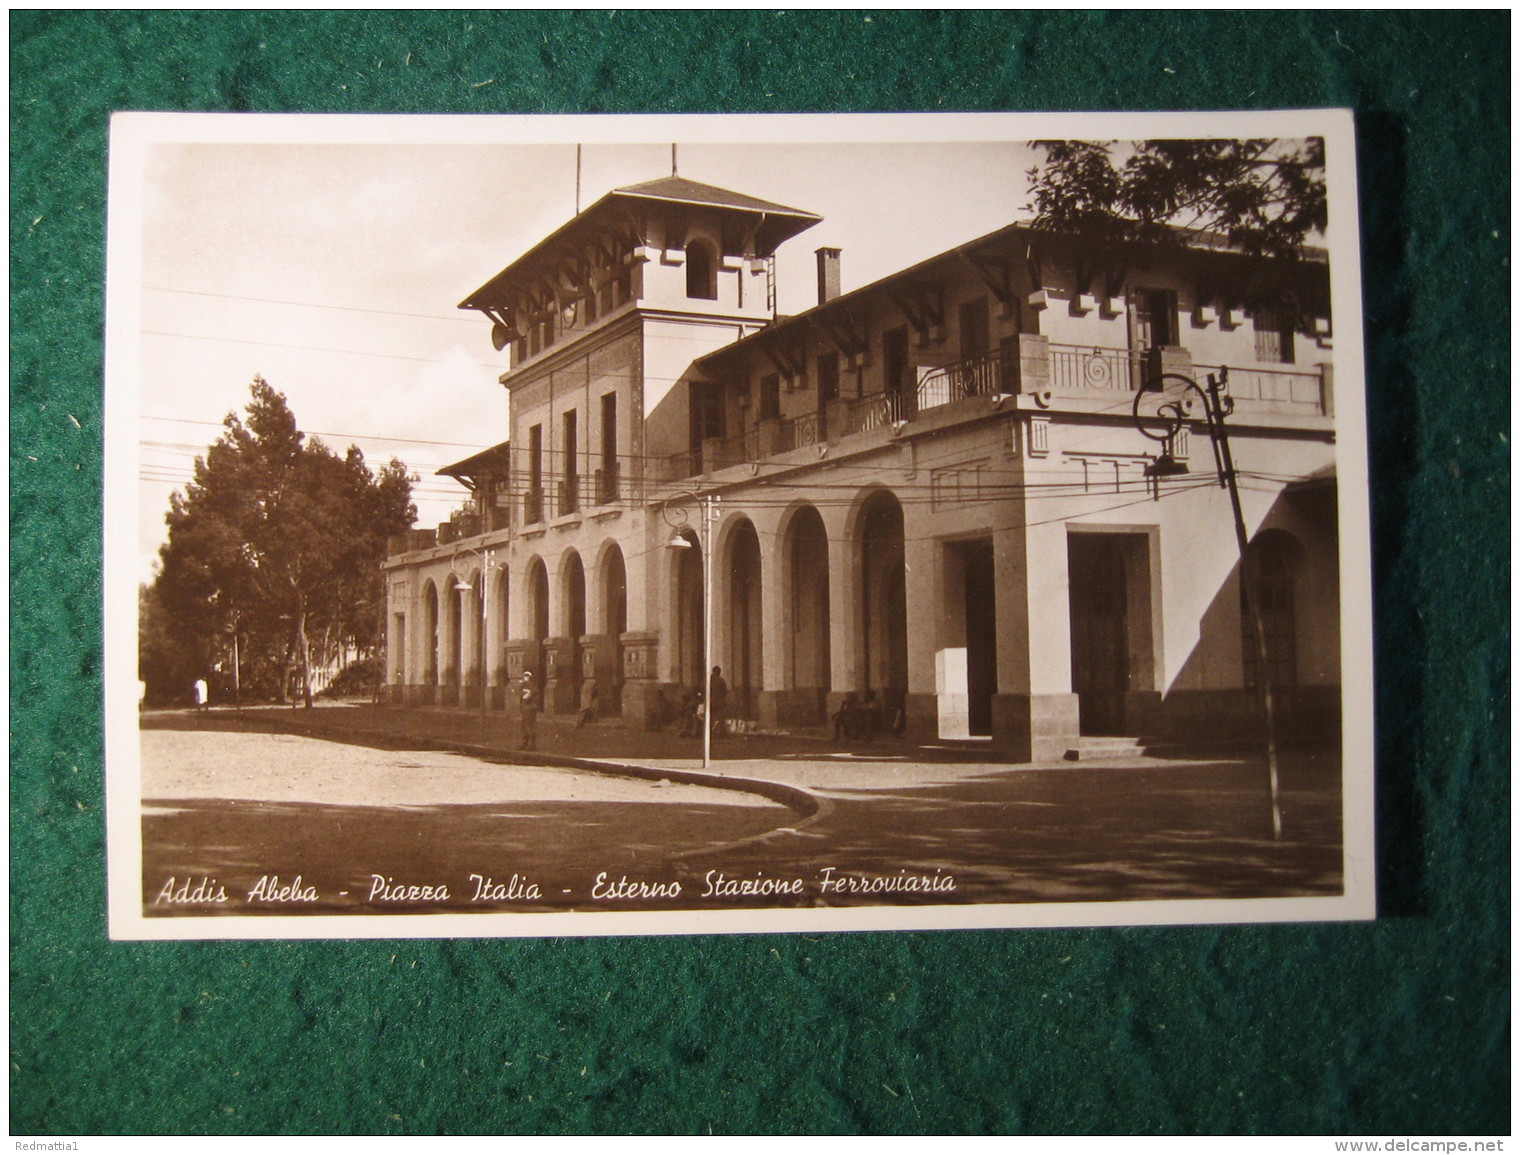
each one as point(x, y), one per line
point(806, 804)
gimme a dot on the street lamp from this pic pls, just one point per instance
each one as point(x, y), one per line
point(1171, 400)
point(485, 563)
point(676, 517)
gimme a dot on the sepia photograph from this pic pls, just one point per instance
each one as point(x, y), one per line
point(628, 525)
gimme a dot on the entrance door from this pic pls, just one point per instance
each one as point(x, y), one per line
point(1100, 668)
point(981, 635)
point(894, 359)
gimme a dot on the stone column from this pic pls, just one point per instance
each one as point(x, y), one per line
point(496, 636)
point(775, 602)
point(1034, 712)
point(470, 642)
point(846, 646)
point(562, 675)
point(448, 642)
point(601, 667)
point(641, 684)
point(921, 553)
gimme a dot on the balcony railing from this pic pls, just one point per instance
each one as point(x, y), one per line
point(1290, 388)
point(1076, 367)
point(683, 464)
point(533, 506)
point(607, 488)
point(873, 411)
point(569, 495)
point(974, 377)
point(799, 432)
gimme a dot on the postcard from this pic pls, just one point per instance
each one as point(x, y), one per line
point(609, 525)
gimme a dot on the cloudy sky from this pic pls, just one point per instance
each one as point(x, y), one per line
point(334, 269)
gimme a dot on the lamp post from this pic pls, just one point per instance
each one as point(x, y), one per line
point(485, 562)
point(1171, 400)
point(676, 517)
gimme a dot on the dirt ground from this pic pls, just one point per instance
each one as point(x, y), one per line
point(190, 764)
point(283, 825)
point(234, 800)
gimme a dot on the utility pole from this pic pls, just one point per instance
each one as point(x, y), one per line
point(1173, 398)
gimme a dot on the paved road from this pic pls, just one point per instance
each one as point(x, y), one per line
point(884, 824)
point(244, 807)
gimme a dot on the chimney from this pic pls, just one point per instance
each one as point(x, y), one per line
point(828, 275)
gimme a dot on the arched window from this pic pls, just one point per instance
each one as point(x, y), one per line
point(1270, 569)
point(701, 272)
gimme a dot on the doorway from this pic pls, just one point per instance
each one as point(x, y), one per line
point(1101, 628)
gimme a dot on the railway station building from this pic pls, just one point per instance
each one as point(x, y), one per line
point(932, 489)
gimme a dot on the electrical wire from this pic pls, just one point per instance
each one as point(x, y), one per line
point(458, 315)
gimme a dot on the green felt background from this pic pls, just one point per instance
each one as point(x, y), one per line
point(1396, 1026)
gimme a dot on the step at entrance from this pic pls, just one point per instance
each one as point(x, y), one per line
point(1091, 748)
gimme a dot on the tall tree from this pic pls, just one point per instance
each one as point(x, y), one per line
point(1265, 197)
point(280, 540)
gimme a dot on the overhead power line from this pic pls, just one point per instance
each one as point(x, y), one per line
point(321, 349)
point(456, 316)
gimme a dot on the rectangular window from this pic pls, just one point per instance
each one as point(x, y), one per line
point(1274, 337)
point(607, 476)
point(1155, 318)
point(902, 397)
point(894, 360)
point(569, 493)
point(974, 329)
point(706, 414)
point(1008, 365)
point(609, 429)
point(770, 397)
point(533, 500)
point(828, 378)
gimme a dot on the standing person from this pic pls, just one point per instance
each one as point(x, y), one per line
point(691, 711)
point(592, 710)
point(202, 693)
point(846, 718)
point(719, 700)
point(527, 700)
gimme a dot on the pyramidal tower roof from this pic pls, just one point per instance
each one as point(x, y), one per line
point(765, 222)
point(681, 190)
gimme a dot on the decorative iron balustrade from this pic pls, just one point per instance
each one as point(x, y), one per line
point(873, 411)
point(569, 495)
point(1076, 367)
point(533, 506)
point(800, 431)
point(973, 377)
point(607, 484)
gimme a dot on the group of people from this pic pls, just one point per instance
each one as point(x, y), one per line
point(689, 709)
point(857, 717)
point(864, 718)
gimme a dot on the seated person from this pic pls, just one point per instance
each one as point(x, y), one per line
point(659, 712)
point(870, 716)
